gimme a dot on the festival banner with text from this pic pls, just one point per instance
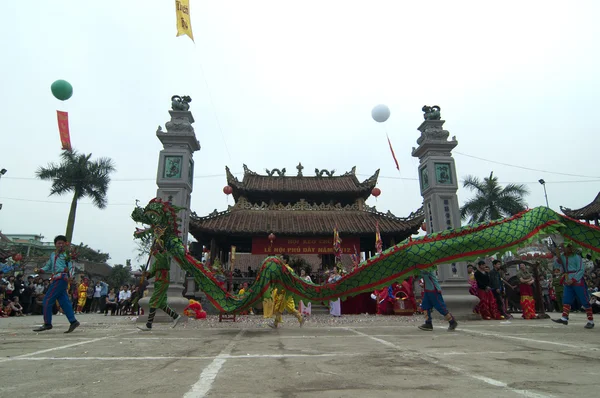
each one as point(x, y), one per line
point(184, 23)
point(63, 129)
point(293, 245)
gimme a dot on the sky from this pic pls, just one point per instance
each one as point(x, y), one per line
point(274, 83)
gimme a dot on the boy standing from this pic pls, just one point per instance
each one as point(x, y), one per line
point(571, 266)
point(61, 267)
point(432, 298)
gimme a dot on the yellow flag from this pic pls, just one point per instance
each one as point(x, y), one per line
point(184, 24)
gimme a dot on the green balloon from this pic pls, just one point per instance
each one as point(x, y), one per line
point(62, 90)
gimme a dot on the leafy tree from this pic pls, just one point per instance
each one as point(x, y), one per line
point(84, 252)
point(143, 246)
point(298, 264)
point(82, 177)
point(119, 275)
point(491, 200)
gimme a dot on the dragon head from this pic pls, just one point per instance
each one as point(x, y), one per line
point(160, 217)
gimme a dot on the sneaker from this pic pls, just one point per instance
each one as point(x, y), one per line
point(589, 325)
point(560, 320)
point(146, 328)
point(272, 325)
point(426, 326)
point(73, 326)
point(42, 328)
point(302, 321)
point(176, 321)
point(452, 326)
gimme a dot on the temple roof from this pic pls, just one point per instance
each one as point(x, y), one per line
point(303, 219)
point(589, 212)
point(323, 183)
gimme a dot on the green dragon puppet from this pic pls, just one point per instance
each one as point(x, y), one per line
point(396, 263)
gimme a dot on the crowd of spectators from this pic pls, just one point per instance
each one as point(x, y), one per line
point(23, 296)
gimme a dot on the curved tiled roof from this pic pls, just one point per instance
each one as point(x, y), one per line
point(589, 212)
point(304, 222)
point(323, 182)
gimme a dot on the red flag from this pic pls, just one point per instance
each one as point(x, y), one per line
point(393, 155)
point(63, 129)
point(378, 242)
point(337, 245)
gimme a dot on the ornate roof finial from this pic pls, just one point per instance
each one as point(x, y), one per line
point(180, 103)
point(280, 173)
point(431, 112)
point(299, 167)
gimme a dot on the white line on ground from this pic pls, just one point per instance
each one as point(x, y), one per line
point(501, 336)
point(456, 369)
point(209, 374)
point(63, 347)
point(249, 356)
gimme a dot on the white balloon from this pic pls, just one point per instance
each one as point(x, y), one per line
point(380, 113)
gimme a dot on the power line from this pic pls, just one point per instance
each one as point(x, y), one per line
point(360, 175)
point(127, 179)
point(53, 201)
point(595, 178)
point(394, 178)
point(523, 167)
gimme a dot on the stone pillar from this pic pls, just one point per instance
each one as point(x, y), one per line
point(439, 184)
point(175, 180)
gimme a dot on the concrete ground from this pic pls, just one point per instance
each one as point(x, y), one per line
point(354, 356)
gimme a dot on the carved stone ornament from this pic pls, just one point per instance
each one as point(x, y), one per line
point(299, 168)
point(351, 172)
point(280, 173)
point(180, 103)
point(248, 171)
point(179, 125)
point(431, 112)
point(319, 173)
point(433, 131)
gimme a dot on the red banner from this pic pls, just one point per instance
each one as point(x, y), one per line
point(293, 245)
point(63, 129)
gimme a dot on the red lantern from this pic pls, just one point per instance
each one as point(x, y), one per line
point(17, 257)
point(227, 190)
point(424, 227)
point(376, 192)
point(271, 237)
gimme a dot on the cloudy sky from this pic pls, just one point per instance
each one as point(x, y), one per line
point(278, 82)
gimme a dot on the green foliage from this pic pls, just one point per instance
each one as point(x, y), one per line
point(80, 176)
point(119, 275)
point(491, 201)
point(298, 264)
point(84, 252)
point(143, 246)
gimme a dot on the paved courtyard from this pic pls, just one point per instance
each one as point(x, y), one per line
point(355, 356)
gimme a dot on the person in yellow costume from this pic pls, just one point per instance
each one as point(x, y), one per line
point(282, 301)
point(82, 290)
point(268, 302)
point(243, 290)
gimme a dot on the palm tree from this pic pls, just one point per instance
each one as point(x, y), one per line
point(77, 174)
point(491, 201)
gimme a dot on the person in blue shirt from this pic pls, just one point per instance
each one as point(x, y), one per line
point(61, 268)
point(571, 267)
point(432, 298)
point(103, 294)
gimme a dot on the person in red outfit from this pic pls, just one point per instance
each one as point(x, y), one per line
point(487, 303)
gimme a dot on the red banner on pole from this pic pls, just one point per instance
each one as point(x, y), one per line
point(301, 245)
point(63, 129)
point(393, 154)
